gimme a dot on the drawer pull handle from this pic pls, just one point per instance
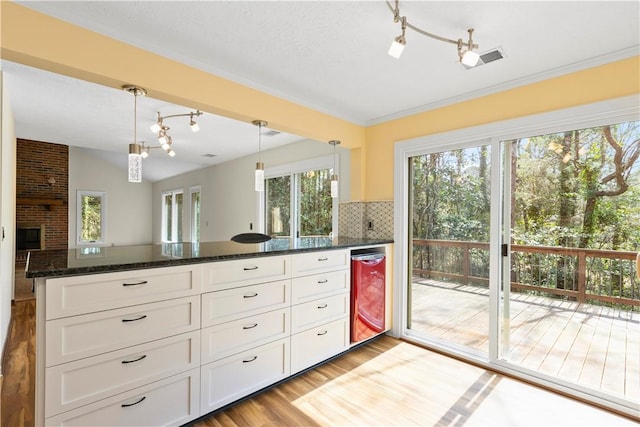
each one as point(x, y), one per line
point(126, 405)
point(322, 333)
point(250, 327)
point(250, 360)
point(255, 267)
point(144, 282)
point(135, 360)
point(250, 296)
point(323, 281)
point(144, 316)
point(323, 306)
point(323, 259)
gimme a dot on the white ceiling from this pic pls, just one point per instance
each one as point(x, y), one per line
point(327, 55)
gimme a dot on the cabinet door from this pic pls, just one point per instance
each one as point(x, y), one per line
point(234, 377)
point(317, 312)
point(307, 288)
point(169, 402)
point(229, 274)
point(73, 338)
point(318, 262)
point(318, 344)
point(233, 337)
point(69, 296)
point(74, 384)
point(245, 301)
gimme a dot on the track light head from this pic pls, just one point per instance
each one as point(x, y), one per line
point(397, 47)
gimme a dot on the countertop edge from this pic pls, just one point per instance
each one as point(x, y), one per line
point(169, 262)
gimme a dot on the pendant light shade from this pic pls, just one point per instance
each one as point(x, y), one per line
point(135, 149)
point(259, 174)
point(334, 176)
point(135, 163)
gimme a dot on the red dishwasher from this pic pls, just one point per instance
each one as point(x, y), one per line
point(367, 295)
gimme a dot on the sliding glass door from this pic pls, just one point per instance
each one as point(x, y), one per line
point(449, 245)
point(522, 253)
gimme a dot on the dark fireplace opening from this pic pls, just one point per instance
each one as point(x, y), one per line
point(29, 238)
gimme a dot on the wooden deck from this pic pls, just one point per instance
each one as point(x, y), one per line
point(593, 346)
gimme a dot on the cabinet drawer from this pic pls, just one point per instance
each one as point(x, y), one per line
point(70, 296)
point(308, 288)
point(227, 274)
point(315, 345)
point(172, 401)
point(316, 262)
point(72, 338)
point(231, 304)
point(74, 384)
point(317, 312)
point(233, 337)
point(234, 377)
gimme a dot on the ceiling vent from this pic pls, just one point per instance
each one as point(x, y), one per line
point(209, 155)
point(487, 57)
point(271, 133)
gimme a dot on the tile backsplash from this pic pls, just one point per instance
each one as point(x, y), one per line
point(369, 220)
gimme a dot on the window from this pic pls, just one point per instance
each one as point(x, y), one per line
point(298, 202)
point(90, 217)
point(195, 214)
point(172, 213)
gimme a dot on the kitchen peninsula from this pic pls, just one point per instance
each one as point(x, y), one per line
point(164, 334)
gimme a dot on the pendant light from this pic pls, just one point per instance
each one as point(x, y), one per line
point(135, 149)
point(334, 176)
point(259, 178)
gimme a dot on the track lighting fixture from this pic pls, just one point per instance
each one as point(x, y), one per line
point(466, 55)
point(135, 149)
point(259, 175)
point(164, 139)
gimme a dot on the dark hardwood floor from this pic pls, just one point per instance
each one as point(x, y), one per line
point(18, 386)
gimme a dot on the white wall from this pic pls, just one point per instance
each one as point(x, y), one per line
point(129, 206)
point(229, 202)
point(7, 211)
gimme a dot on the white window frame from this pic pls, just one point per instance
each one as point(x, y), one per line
point(192, 220)
point(174, 217)
point(103, 217)
point(584, 116)
point(290, 169)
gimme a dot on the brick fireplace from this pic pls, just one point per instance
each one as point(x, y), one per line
point(42, 195)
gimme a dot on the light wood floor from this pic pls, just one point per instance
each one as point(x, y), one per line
point(386, 382)
point(593, 346)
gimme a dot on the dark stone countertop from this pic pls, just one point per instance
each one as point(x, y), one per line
point(90, 260)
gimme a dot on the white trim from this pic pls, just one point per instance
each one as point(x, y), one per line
point(192, 223)
point(103, 217)
point(174, 218)
point(501, 87)
point(584, 116)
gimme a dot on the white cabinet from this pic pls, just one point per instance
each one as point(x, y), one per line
point(247, 271)
point(163, 346)
point(311, 347)
point(71, 338)
point(121, 348)
point(231, 378)
point(320, 312)
point(244, 301)
point(68, 296)
point(172, 401)
point(71, 385)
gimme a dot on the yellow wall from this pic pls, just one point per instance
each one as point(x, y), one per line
point(609, 81)
point(41, 41)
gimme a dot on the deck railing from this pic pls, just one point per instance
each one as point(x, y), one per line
point(579, 274)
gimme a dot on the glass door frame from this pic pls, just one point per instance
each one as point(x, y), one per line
point(584, 116)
